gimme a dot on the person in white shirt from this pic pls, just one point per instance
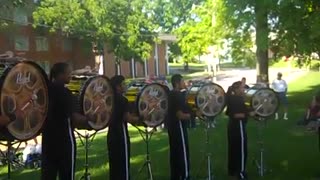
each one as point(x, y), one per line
point(280, 87)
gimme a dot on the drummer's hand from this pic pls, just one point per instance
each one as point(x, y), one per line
point(199, 114)
point(19, 115)
point(91, 118)
point(4, 121)
point(252, 113)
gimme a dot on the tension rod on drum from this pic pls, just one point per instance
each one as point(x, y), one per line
point(86, 143)
point(208, 153)
point(146, 136)
point(260, 164)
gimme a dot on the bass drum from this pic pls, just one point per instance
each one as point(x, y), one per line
point(93, 96)
point(210, 99)
point(264, 101)
point(23, 90)
point(152, 104)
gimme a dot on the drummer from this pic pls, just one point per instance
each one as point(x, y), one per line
point(178, 116)
point(58, 140)
point(118, 136)
point(237, 136)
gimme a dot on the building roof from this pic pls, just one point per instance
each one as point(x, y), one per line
point(168, 37)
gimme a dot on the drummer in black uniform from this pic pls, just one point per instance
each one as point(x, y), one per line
point(178, 116)
point(58, 140)
point(237, 137)
point(118, 137)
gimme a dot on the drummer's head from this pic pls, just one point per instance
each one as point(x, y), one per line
point(279, 75)
point(118, 84)
point(237, 88)
point(60, 72)
point(177, 82)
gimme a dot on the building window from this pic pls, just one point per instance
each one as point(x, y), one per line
point(45, 65)
point(20, 16)
point(21, 43)
point(41, 43)
point(67, 45)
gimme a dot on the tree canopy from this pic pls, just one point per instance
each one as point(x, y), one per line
point(125, 26)
point(284, 27)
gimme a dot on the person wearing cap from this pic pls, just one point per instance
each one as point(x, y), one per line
point(281, 88)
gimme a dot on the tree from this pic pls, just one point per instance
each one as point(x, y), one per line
point(285, 27)
point(200, 31)
point(6, 9)
point(170, 15)
point(125, 27)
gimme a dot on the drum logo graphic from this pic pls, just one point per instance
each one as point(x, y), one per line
point(153, 92)
point(98, 87)
point(22, 80)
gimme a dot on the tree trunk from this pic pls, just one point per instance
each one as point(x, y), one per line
point(186, 66)
point(262, 31)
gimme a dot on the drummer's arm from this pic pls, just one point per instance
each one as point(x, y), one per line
point(4, 120)
point(79, 120)
point(183, 116)
point(131, 118)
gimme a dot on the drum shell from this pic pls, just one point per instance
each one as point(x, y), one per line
point(5, 133)
point(79, 88)
point(253, 93)
point(166, 90)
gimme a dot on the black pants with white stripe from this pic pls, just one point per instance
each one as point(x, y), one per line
point(119, 157)
point(179, 153)
point(58, 159)
point(237, 148)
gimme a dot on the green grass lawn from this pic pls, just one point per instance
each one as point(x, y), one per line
point(290, 152)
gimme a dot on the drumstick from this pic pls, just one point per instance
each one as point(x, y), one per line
point(98, 107)
point(153, 109)
point(33, 97)
point(264, 101)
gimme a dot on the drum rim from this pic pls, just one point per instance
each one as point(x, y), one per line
point(165, 88)
point(84, 85)
point(211, 83)
point(46, 79)
point(265, 88)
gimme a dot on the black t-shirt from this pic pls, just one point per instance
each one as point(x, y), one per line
point(177, 102)
point(61, 107)
point(117, 122)
point(235, 105)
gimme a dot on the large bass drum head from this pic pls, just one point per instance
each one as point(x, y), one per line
point(153, 104)
point(210, 99)
point(24, 89)
point(96, 99)
point(263, 101)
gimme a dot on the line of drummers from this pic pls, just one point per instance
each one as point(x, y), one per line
point(154, 106)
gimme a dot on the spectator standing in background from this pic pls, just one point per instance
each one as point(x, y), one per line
point(281, 88)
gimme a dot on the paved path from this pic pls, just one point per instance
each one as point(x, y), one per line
point(227, 77)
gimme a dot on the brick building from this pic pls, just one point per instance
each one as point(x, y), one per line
point(46, 48)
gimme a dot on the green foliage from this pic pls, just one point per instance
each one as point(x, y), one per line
point(170, 15)
point(125, 26)
point(6, 9)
